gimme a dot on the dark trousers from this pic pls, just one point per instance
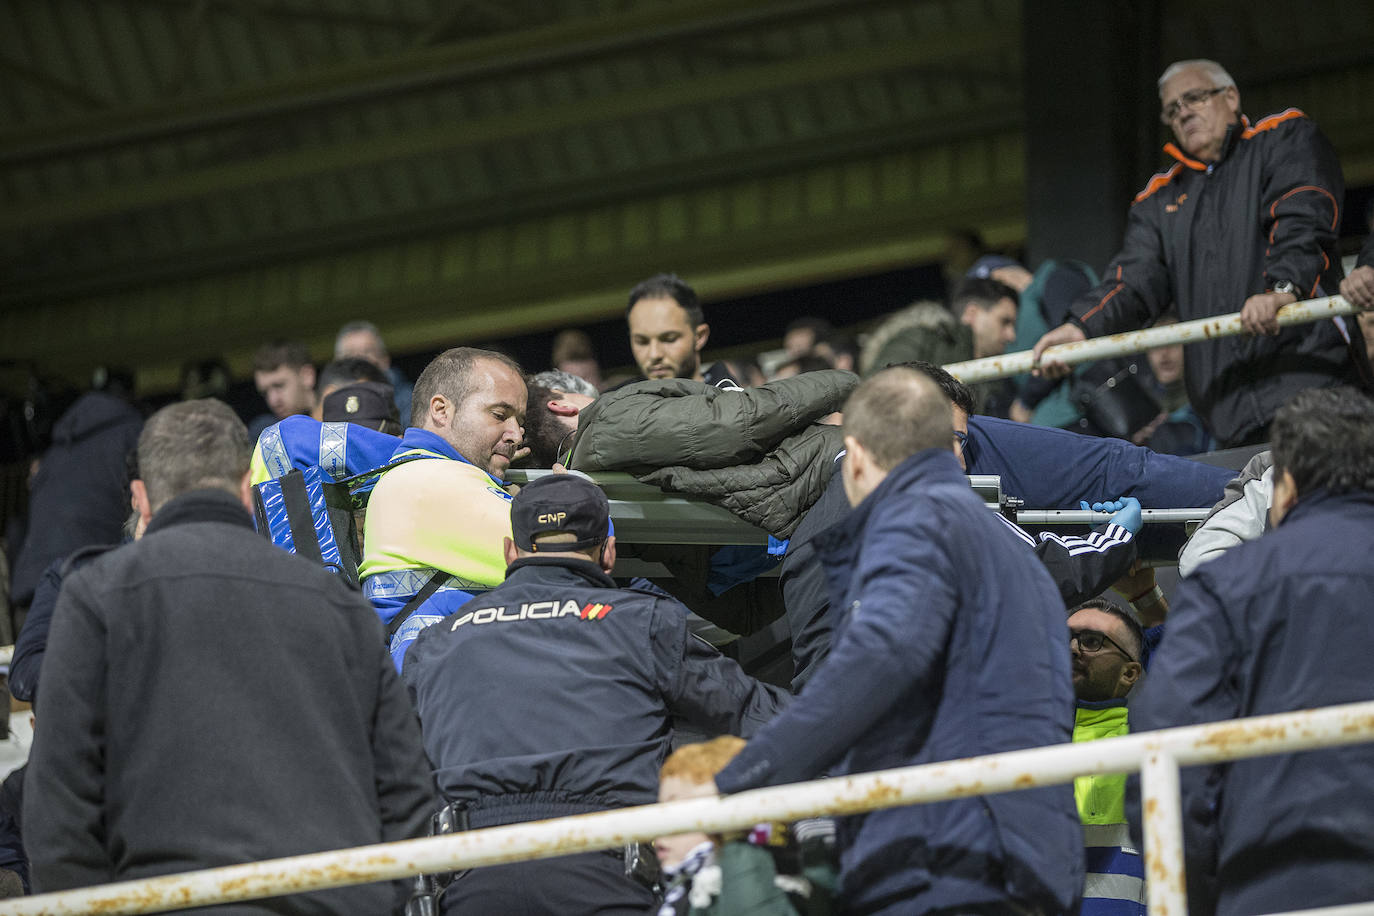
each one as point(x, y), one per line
point(590, 883)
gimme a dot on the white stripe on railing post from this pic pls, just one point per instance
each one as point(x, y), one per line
point(1129, 342)
point(1162, 805)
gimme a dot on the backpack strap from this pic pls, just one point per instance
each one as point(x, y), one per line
point(296, 502)
point(435, 582)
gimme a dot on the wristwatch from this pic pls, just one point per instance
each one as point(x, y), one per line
point(1284, 286)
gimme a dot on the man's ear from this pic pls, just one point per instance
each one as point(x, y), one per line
point(307, 373)
point(508, 549)
point(1130, 673)
point(702, 332)
point(608, 555)
point(969, 315)
point(440, 412)
point(138, 497)
point(562, 409)
point(246, 490)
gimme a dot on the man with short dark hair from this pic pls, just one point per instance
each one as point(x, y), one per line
point(209, 699)
point(1278, 624)
point(1108, 651)
point(975, 666)
point(435, 522)
point(1246, 219)
point(979, 322)
point(554, 694)
point(285, 377)
point(667, 328)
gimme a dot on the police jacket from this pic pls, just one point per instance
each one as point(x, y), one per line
point(209, 699)
point(552, 693)
point(759, 452)
point(933, 660)
point(1274, 625)
point(1206, 236)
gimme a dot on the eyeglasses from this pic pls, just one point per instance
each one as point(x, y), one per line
point(1191, 100)
point(1091, 641)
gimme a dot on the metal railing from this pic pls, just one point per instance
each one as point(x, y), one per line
point(1157, 755)
point(1130, 342)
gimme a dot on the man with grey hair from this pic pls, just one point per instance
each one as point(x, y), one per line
point(1246, 219)
point(210, 699)
point(934, 658)
point(362, 340)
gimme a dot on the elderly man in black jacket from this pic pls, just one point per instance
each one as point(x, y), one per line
point(573, 684)
point(210, 699)
point(1274, 625)
point(1246, 219)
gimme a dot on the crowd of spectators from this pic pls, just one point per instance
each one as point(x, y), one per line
point(468, 656)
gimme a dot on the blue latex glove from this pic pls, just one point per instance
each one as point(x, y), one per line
point(1126, 512)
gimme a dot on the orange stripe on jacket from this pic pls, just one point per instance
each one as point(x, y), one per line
point(1116, 289)
point(1158, 181)
point(1272, 121)
point(1335, 207)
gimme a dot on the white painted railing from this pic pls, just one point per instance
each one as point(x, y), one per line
point(1158, 755)
point(1125, 344)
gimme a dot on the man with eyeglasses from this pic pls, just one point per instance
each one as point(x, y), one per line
point(1246, 219)
point(1277, 624)
point(1106, 645)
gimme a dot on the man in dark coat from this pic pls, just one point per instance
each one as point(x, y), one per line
point(1274, 625)
point(79, 495)
point(934, 660)
point(1247, 220)
point(210, 699)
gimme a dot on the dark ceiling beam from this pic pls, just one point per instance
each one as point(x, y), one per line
point(518, 52)
point(308, 14)
point(98, 203)
point(79, 94)
point(456, 215)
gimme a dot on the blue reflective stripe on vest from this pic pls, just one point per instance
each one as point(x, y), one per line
point(403, 583)
point(273, 450)
point(334, 449)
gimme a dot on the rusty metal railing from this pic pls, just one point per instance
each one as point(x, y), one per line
point(1158, 755)
point(1125, 344)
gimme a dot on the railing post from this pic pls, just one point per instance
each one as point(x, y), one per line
point(1162, 805)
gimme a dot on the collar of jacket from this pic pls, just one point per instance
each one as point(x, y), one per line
point(200, 506)
point(1233, 135)
point(558, 569)
point(1100, 704)
point(1322, 497)
point(416, 439)
point(841, 541)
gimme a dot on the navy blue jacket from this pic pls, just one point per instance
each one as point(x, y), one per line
point(952, 645)
point(1282, 623)
point(573, 682)
point(80, 494)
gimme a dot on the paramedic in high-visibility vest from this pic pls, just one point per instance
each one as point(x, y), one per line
point(435, 525)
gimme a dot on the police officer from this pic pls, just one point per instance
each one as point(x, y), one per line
point(552, 694)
